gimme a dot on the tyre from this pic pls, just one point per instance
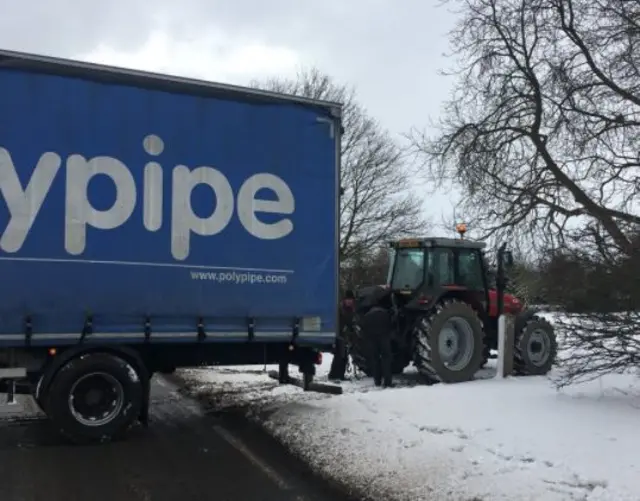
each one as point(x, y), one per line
point(358, 348)
point(38, 397)
point(536, 347)
point(94, 398)
point(449, 343)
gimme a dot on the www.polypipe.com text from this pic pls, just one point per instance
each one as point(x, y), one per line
point(239, 277)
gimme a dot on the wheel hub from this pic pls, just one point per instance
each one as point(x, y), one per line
point(539, 347)
point(456, 343)
point(96, 399)
point(93, 397)
point(449, 343)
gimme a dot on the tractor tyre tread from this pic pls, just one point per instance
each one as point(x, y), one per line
point(521, 363)
point(429, 366)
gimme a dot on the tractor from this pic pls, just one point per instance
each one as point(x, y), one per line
point(444, 309)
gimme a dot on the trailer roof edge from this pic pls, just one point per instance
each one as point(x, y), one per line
point(172, 83)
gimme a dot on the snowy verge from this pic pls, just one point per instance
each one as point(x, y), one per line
point(517, 439)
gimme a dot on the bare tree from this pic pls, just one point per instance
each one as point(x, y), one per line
point(543, 136)
point(543, 132)
point(366, 270)
point(606, 337)
point(377, 203)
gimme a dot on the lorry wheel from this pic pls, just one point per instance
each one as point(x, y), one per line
point(94, 398)
point(535, 348)
point(449, 343)
point(37, 395)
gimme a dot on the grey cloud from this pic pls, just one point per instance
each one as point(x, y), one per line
point(68, 27)
point(389, 49)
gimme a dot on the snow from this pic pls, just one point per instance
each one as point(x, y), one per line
point(517, 439)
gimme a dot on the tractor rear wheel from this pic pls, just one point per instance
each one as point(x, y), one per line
point(358, 351)
point(449, 343)
point(535, 348)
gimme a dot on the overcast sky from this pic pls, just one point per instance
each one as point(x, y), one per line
point(390, 50)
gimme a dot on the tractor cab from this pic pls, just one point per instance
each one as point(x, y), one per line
point(426, 269)
point(429, 262)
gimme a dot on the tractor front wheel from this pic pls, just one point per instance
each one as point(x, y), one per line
point(535, 348)
point(449, 343)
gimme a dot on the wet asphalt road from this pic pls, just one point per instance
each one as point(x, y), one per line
point(184, 455)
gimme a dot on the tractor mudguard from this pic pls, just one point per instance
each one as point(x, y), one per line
point(523, 317)
point(437, 295)
point(368, 297)
point(420, 304)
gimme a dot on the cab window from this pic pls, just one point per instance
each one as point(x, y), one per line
point(441, 267)
point(470, 272)
point(408, 269)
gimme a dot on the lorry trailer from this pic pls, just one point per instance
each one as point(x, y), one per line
point(150, 222)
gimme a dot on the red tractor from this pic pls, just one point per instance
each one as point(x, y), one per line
point(444, 309)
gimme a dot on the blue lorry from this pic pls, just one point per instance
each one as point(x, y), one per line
point(149, 223)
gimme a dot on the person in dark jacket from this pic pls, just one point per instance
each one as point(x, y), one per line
point(376, 328)
point(340, 355)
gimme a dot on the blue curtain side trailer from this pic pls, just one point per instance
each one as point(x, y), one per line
point(152, 222)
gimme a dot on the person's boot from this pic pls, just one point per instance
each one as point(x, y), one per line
point(377, 375)
point(387, 375)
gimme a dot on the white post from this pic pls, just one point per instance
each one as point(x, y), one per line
point(505, 345)
point(502, 323)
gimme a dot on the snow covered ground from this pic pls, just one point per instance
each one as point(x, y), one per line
point(517, 439)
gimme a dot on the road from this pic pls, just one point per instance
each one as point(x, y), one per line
point(183, 455)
